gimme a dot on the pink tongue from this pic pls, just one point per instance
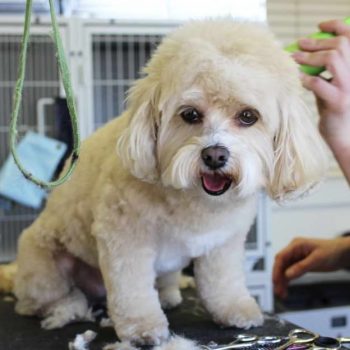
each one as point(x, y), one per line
point(214, 182)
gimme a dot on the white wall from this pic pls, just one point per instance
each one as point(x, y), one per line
point(169, 9)
point(324, 214)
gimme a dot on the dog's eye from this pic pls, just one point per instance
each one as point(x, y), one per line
point(191, 116)
point(247, 117)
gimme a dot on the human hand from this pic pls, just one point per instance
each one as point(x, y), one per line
point(305, 255)
point(333, 97)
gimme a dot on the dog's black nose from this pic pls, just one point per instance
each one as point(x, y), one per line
point(215, 157)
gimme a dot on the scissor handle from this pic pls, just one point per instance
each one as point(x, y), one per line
point(302, 336)
point(244, 337)
point(269, 340)
point(344, 340)
point(237, 346)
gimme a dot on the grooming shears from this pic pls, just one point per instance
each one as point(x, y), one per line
point(246, 341)
point(302, 339)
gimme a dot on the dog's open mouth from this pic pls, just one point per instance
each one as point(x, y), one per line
point(215, 184)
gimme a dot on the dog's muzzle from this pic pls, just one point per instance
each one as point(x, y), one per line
point(215, 157)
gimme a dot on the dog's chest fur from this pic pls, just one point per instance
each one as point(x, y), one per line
point(174, 254)
point(181, 238)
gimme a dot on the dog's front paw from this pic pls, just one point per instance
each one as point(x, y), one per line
point(144, 331)
point(170, 298)
point(243, 313)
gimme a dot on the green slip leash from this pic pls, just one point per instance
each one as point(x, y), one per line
point(65, 75)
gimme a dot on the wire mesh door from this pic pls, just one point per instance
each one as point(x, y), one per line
point(117, 61)
point(42, 81)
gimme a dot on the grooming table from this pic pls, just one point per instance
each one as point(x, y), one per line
point(190, 320)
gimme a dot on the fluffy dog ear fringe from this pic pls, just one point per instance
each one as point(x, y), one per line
point(175, 343)
point(137, 144)
point(301, 157)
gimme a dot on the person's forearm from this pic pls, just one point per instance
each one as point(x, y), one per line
point(335, 130)
point(342, 154)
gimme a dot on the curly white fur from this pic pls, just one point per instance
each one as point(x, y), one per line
point(140, 214)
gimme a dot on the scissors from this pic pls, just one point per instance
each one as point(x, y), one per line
point(301, 337)
point(330, 343)
point(245, 341)
point(298, 336)
point(297, 339)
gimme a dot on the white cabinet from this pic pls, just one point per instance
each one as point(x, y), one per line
point(331, 322)
point(322, 214)
point(258, 256)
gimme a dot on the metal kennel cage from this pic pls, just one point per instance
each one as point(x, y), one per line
point(42, 81)
point(116, 61)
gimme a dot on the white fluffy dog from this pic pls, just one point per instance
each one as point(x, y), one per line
point(217, 117)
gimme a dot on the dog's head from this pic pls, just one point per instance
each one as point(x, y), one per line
point(219, 110)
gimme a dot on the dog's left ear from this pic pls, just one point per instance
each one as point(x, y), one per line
point(300, 155)
point(137, 144)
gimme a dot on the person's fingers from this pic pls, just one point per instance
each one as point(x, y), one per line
point(283, 260)
point(296, 251)
point(331, 59)
point(280, 286)
point(339, 43)
point(298, 269)
point(281, 289)
point(323, 89)
point(279, 267)
point(335, 26)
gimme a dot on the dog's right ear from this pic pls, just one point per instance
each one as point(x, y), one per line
point(301, 158)
point(137, 144)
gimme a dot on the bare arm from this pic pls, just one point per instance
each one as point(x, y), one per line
point(333, 97)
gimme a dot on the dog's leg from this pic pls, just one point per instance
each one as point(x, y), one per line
point(128, 271)
point(42, 289)
point(169, 290)
point(221, 285)
point(38, 282)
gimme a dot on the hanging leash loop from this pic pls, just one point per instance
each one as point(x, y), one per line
point(17, 98)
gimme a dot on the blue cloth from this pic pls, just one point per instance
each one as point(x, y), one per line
point(40, 156)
